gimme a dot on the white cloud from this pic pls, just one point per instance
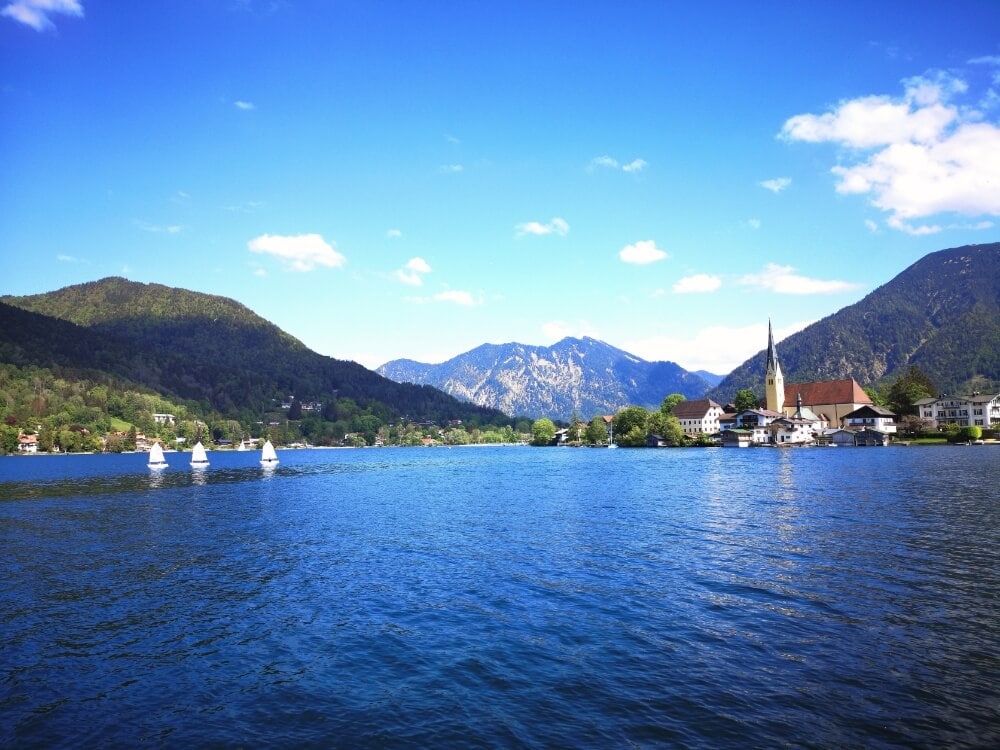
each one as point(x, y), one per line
point(753, 223)
point(717, 349)
point(776, 185)
point(393, 234)
point(698, 283)
point(609, 162)
point(783, 280)
point(302, 252)
point(412, 272)
point(604, 161)
point(451, 168)
point(245, 106)
point(457, 297)
point(555, 226)
point(914, 156)
point(35, 13)
point(67, 259)
point(641, 253)
point(872, 226)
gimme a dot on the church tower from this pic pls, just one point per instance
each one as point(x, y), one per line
point(774, 383)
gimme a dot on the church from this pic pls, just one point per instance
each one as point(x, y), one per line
point(827, 401)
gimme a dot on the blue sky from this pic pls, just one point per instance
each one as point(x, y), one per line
point(399, 179)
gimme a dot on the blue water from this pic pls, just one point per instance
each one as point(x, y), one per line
point(503, 597)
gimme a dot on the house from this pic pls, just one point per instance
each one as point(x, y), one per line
point(698, 417)
point(163, 418)
point(141, 443)
point(736, 438)
point(656, 441)
point(27, 443)
point(792, 431)
point(871, 417)
point(837, 436)
point(752, 422)
point(869, 436)
point(979, 409)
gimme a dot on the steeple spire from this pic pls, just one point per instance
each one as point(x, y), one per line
point(774, 383)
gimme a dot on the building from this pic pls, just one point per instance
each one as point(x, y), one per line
point(774, 383)
point(792, 431)
point(871, 417)
point(751, 426)
point(164, 418)
point(698, 417)
point(979, 409)
point(27, 443)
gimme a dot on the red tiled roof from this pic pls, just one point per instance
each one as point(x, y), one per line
point(826, 392)
point(696, 409)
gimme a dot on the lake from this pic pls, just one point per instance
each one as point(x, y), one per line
point(504, 597)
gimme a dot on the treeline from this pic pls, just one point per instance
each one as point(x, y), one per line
point(631, 427)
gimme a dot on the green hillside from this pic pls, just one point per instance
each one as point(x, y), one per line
point(941, 314)
point(208, 352)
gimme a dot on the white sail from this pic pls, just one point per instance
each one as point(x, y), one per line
point(198, 455)
point(243, 446)
point(268, 457)
point(156, 460)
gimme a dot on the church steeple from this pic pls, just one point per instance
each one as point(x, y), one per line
point(774, 383)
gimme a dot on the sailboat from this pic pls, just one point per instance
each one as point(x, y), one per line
point(243, 446)
point(199, 458)
point(611, 437)
point(267, 456)
point(156, 460)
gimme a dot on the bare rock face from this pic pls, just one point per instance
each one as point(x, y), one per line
point(583, 376)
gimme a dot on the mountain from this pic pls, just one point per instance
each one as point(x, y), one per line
point(942, 314)
point(585, 376)
point(198, 347)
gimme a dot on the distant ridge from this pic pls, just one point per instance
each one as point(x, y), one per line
point(942, 314)
point(585, 376)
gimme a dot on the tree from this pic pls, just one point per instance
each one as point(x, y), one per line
point(543, 431)
point(666, 426)
point(630, 426)
point(295, 411)
point(745, 399)
point(912, 386)
point(597, 431)
point(877, 398)
point(670, 402)
point(575, 432)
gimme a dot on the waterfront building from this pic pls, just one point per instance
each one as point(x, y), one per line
point(871, 417)
point(979, 409)
point(698, 417)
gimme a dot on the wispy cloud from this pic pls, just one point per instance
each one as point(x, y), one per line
point(776, 185)
point(456, 297)
point(609, 162)
point(451, 168)
point(412, 273)
point(35, 13)
point(718, 349)
point(244, 208)
point(158, 228)
point(753, 223)
point(67, 259)
point(556, 226)
point(393, 234)
point(699, 283)
point(783, 280)
point(244, 105)
point(916, 155)
point(641, 253)
point(872, 226)
point(302, 252)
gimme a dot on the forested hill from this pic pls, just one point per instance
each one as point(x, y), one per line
point(199, 347)
point(942, 314)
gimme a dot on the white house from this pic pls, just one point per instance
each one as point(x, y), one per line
point(792, 431)
point(751, 425)
point(871, 417)
point(698, 417)
point(982, 409)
